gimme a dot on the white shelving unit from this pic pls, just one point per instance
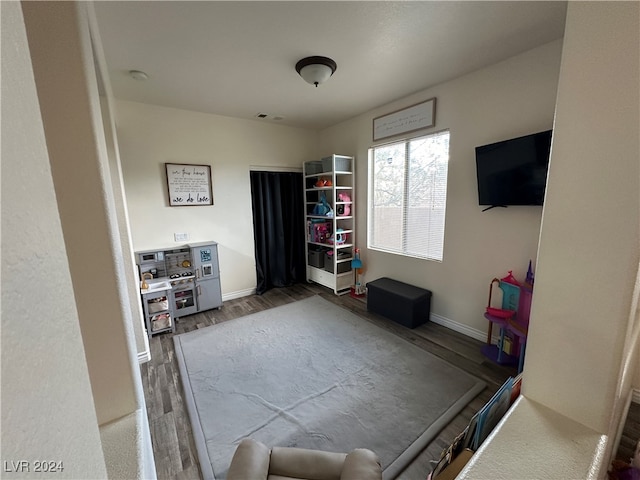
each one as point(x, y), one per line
point(329, 254)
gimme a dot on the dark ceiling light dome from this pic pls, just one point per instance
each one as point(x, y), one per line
point(316, 70)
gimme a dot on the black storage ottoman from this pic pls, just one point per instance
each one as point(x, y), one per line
point(403, 303)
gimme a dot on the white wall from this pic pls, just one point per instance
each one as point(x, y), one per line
point(133, 285)
point(47, 404)
point(509, 99)
point(149, 136)
point(63, 55)
point(115, 167)
point(64, 71)
point(590, 234)
point(566, 423)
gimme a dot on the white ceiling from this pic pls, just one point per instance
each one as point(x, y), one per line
point(237, 58)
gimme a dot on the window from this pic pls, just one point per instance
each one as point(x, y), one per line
point(408, 196)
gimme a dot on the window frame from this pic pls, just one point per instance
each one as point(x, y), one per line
point(404, 251)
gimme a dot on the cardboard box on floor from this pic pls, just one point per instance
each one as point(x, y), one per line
point(455, 467)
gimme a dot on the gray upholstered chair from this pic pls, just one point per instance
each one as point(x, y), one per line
point(255, 461)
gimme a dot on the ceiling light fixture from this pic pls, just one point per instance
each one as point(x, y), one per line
point(316, 70)
point(138, 75)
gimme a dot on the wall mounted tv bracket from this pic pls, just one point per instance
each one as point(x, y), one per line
point(493, 206)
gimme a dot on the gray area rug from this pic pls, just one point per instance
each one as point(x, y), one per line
point(313, 375)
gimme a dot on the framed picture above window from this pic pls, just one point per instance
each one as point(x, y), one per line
point(189, 185)
point(409, 119)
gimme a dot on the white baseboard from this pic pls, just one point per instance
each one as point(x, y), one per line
point(459, 327)
point(144, 357)
point(238, 294)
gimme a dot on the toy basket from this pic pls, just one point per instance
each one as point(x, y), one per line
point(342, 164)
point(311, 168)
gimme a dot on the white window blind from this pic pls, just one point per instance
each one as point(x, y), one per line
point(408, 196)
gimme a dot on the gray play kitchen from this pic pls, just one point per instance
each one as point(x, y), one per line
point(178, 281)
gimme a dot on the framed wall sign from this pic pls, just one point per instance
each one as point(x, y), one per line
point(416, 117)
point(189, 185)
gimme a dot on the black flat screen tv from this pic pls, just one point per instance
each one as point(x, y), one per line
point(513, 172)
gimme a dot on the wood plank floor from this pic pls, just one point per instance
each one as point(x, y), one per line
point(171, 434)
point(630, 434)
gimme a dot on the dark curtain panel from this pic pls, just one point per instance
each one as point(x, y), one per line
point(278, 225)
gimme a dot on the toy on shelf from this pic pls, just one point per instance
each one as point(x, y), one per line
point(318, 231)
point(344, 210)
point(340, 238)
point(322, 208)
point(323, 182)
